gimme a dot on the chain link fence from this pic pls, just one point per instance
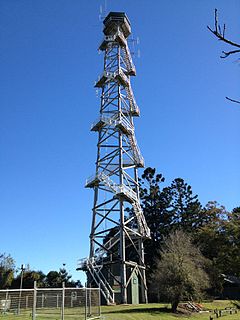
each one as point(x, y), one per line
point(46, 303)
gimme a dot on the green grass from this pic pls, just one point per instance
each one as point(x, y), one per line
point(161, 312)
point(131, 312)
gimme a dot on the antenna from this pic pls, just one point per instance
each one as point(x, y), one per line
point(103, 11)
point(135, 50)
point(138, 53)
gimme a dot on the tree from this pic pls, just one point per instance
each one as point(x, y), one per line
point(180, 271)
point(54, 279)
point(29, 277)
point(166, 209)
point(7, 268)
point(66, 278)
point(219, 32)
point(232, 243)
point(155, 204)
point(185, 207)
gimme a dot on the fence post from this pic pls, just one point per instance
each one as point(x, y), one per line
point(99, 297)
point(89, 300)
point(85, 302)
point(63, 300)
point(34, 301)
point(42, 300)
point(6, 302)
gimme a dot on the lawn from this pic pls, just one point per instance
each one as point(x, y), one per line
point(162, 312)
point(132, 312)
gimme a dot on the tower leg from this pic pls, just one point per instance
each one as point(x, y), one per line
point(143, 273)
point(123, 258)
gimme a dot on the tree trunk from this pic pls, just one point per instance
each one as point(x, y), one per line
point(174, 306)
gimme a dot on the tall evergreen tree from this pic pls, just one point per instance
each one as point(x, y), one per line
point(185, 207)
point(155, 203)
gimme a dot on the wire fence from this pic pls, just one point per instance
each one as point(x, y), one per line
point(46, 303)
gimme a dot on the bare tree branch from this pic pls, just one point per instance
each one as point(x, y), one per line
point(226, 54)
point(232, 100)
point(221, 35)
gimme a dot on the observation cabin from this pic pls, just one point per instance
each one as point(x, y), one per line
point(114, 20)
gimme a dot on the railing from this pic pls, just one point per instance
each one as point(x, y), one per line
point(114, 121)
point(113, 186)
point(145, 231)
point(136, 152)
point(122, 77)
point(107, 75)
point(118, 75)
point(125, 124)
point(118, 36)
point(99, 278)
point(133, 105)
point(128, 59)
point(104, 121)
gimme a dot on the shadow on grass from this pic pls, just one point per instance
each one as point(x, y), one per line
point(155, 310)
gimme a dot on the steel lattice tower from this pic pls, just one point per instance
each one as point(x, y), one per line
point(116, 259)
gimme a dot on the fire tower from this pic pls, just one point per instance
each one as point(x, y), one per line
point(116, 259)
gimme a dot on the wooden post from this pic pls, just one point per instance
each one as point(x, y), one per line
point(34, 301)
point(85, 302)
point(63, 299)
point(99, 300)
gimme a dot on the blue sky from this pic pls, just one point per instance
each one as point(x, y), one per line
point(49, 62)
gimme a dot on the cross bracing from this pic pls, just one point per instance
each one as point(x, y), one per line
point(118, 223)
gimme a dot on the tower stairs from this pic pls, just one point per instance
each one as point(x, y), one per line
point(134, 109)
point(95, 270)
point(121, 191)
point(126, 127)
point(121, 40)
point(128, 60)
point(119, 122)
point(138, 158)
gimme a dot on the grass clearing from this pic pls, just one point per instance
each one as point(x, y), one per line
point(162, 312)
point(154, 311)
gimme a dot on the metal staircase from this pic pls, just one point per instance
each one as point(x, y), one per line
point(144, 229)
point(129, 195)
point(134, 110)
point(126, 127)
point(95, 270)
point(129, 63)
point(115, 121)
point(138, 158)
